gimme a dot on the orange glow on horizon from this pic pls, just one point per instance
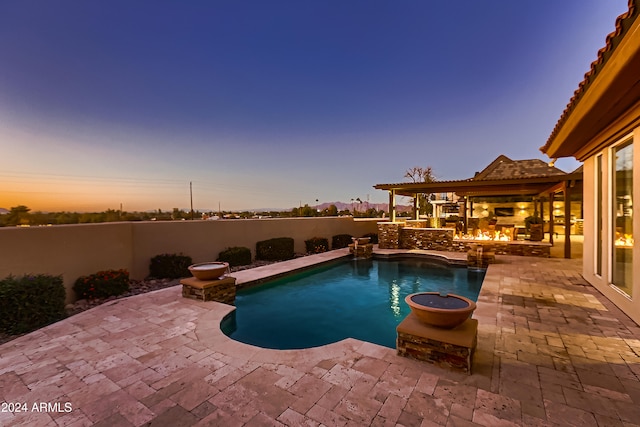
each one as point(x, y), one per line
point(72, 195)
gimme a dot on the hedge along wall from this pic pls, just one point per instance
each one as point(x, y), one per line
point(68, 250)
point(83, 249)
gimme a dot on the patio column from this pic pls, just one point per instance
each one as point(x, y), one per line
point(551, 198)
point(416, 206)
point(464, 214)
point(392, 205)
point(567, 220)
point(542, 214)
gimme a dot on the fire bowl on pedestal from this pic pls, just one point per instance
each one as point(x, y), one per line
point(209, 270)
point(444, 311)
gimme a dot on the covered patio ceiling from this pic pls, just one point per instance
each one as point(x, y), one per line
point(500, 187)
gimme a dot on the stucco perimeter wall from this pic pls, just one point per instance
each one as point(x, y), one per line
point(204, 240)
point(77, 250)
point(69, 250)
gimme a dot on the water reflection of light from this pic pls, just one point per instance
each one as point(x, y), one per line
point(394, 297)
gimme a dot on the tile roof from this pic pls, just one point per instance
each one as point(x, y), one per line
point(503, 176)
point(623, 22)
point(505, 168)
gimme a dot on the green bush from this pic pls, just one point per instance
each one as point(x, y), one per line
point(102, 284)
point(30, 302)
point(341, 241)
point(235, 256)
point(277, 249)
point(316, 245)
point(170, 266)
point(373, 237)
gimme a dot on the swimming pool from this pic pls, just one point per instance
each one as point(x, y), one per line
point(362, 299)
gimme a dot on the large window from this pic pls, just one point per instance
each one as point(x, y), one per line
point(622, 217)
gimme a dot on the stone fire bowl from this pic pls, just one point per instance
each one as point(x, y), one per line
point(444, 311)
point(209, 270)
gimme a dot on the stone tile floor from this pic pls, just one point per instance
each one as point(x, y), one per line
point(552, 351)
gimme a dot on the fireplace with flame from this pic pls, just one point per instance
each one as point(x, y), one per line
point(503, 235)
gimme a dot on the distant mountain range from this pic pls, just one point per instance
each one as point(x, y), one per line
point(3, 211)
point(363, 206)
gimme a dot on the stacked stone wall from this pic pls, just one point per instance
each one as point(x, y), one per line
point(425, 238)
point(532, 249)
point(417, 223)
point(400, 236)
point(389, 235)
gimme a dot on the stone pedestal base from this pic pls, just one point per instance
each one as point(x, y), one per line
point(448, 348)
point(362, 251)
point(220, 290)
point(480, 259)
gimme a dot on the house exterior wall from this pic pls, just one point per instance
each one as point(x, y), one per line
point(78, 250)
point(630, 304)
point(603, 113)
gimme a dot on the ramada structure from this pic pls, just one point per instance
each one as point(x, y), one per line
point(507, 191)
point(600, 127)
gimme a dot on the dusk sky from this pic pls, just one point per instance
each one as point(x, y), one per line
point(269, 104)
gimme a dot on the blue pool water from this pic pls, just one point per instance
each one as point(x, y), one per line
point(362, 299)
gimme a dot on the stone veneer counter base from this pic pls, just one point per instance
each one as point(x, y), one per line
point(446, 348)
point(397, 235)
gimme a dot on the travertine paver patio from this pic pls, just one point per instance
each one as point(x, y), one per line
point(552, 351)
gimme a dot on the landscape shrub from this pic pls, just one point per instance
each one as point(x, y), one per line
point(102, 284)
point(373, 237)
point(30, 302)
point(316, 245)
point(341, 241)
point(170, 266)
point(278, 249)
point(235, 256)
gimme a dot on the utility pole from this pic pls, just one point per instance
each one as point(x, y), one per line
point(191, 196)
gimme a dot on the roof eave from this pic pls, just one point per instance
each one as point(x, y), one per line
point(598, 99)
